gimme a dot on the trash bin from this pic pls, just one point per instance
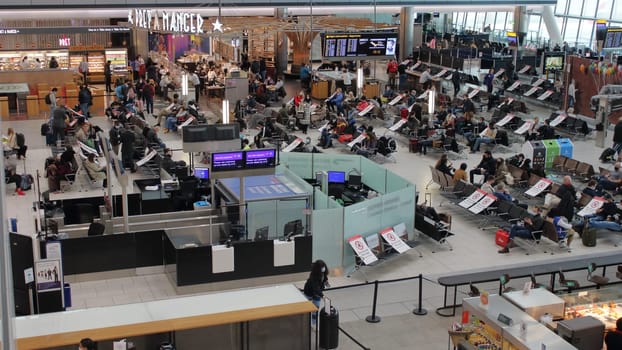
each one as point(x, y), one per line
point(552, 151)
point(566, 147)
point(329, 328)
point(67, 295)
point(535, 151)
point(413, 145)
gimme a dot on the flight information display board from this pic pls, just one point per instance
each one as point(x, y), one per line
point(243, 160)
point(613, 39)
point(262, 158)
point(227, 161)
point(353, 45)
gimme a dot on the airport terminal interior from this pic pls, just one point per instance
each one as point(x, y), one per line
point(212, 158)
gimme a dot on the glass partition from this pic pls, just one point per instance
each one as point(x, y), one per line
point(262, 214)
point(290, 210)
point(396, 182)
point(335, 162)
point(399, 207)
point(373, 175)
point(298, 163)
point(328, 235)
point(363, 218)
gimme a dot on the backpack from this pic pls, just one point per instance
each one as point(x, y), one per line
point(607, 155)
point(20, 140)
point(45, 129)
point(26, 182)
point(48, 99)
point(588, 237)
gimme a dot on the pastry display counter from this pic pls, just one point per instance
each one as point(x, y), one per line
point(603, 304)
point(502, 325)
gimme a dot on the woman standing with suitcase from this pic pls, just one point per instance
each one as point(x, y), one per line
point(315, 285)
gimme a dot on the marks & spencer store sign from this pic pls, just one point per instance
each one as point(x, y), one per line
point(166, 21)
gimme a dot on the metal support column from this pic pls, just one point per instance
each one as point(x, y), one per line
point(407, 31)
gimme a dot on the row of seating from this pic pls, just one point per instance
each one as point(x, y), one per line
point(569, 166)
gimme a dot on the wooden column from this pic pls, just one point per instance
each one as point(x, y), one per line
point(32, 106)
point(4, 107)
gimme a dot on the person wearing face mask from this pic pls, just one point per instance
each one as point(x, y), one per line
point(87, 344)
point(314, 287)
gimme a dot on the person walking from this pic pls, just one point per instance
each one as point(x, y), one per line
point(392, 72)
point(196, 82)
point(58, 122)
point(315, 285)
point(83, 68)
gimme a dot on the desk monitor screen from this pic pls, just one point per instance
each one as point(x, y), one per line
point(201, 173)
point(261, 158)
point(262, 233)
point(293, 228)
point(354, 181)
point(338, 177)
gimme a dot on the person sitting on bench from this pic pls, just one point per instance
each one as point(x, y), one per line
point(530, 225)
point(486, 166)
point(95, 171)
point(562, 227)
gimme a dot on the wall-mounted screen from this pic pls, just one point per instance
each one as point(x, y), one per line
point(601, 29)
point(512, 40)
point(352, 45)
point(613, 39)
point(227, 161)
point(261, 158)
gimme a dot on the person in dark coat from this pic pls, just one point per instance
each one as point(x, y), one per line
point(567, 195)
point(315, 285)
point(613, 339)
point(455, 79)
point(617, 137)
point(58, 121)
point(487, 166)
point(127, 139)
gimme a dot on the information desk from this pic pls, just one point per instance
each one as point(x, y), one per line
point(511, 336)
point(190, 259)
point(254, 309)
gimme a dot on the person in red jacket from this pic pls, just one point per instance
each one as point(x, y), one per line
point(392, 72)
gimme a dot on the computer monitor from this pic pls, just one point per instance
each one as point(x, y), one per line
point(293, 228)
point(261, 234)
point(338, 177)
point(354, 181)
point(201, 173)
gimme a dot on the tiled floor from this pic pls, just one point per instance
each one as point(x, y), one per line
point(399, 329)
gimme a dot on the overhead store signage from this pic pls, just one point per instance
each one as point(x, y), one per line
point(166, 21)
point(63, 30)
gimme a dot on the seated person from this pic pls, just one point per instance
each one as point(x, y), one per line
point(169, 164)
point(562, 227)
point(501, 172)
point(283, 114)
point(502, 193)
point(613, 180)
point(428, 211)
point(489, 136)
point(487, 185)
point(461, 174)
point(530, 225)
point(11, 176)
point(172, 106)
point(350, 99)
point(487, 166)
point(173, 119)
point(388, 93)
point(592, 189)
point(516, 160)
point(606, 217)
point(51, 173)
point(368, 146)
point(444, 166)
point(326, 139)
point(279, 86)
point(335, 101)
point(546, 132)
point(96, 172)
point(151, 137)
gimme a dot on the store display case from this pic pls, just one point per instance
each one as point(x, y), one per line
point(10, 60)
point(501, 325)
point(118, 59)
point(603, 304)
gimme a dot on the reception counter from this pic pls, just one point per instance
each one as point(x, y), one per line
point(189, 259)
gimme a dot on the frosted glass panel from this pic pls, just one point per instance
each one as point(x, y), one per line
point(396, 182)
point(374, 175)
point(399, 207)
point(328, 236)
point(336, 162)
point(287, 211)
point(262, 214)
point(299, 163)
point(363, 219)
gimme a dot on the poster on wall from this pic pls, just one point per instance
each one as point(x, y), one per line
point(48, 275)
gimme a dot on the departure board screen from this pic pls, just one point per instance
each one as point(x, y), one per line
point(262, 158)
point(613, 39)
point(227, 161)
point(353, 45)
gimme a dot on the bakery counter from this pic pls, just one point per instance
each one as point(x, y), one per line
point(603, 304)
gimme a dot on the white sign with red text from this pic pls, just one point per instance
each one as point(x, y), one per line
point(473, 198)
point(540, 186)
point(361, 249)
point(394, 241)
point(591, 207)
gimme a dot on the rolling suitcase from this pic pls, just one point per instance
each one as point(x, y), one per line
point(329, 327)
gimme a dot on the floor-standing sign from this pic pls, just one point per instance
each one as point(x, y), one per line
point(49, 279)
